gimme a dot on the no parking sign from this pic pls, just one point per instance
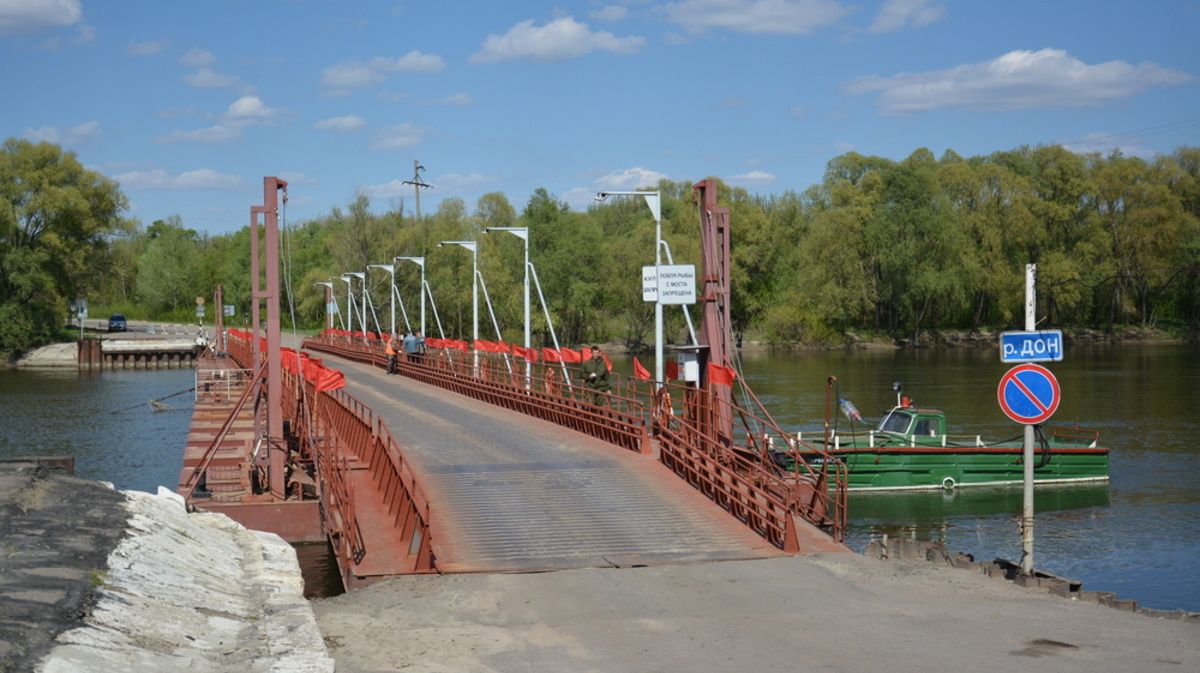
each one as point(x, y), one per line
point(1029, 394)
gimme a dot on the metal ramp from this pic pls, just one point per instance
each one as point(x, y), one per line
point(509, 493)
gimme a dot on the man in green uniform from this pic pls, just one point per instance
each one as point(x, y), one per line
point(595, 375)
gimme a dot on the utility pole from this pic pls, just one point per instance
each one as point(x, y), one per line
point(417, 184)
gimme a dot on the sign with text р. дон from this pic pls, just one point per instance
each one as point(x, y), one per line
point(674, 283)
point(1036, 346)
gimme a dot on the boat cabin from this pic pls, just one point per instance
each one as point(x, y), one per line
point(909, 421)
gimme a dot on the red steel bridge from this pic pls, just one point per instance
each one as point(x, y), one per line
point(466, 463)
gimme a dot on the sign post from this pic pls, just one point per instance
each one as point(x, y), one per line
point(1029, 394)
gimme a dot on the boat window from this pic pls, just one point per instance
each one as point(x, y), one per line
point(895, 422)
point(924, 427)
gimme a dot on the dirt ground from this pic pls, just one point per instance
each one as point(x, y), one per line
point(834, 612)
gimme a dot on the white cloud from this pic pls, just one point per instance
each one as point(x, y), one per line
point(752, 178)
point(361, 75)
point(456, 100)
point(629, 179)
point(1018, 80)
point(398, 137)
point(198, 58)
point(35, 16)
point(146, 48)
point(68, 136)
point(348, 124)
point(213, 135)
point(781, 17)
point(898, 14)
point(250, 110)
point(610, 13)
point(204, 178)
point(559, 40)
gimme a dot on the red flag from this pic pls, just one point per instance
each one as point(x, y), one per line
point(607, 360)
point(672, 370)
point(639, 371)
point(721, 374)
point(329, 379)
point(569, 355)
point(460, 345)
point(551, 355)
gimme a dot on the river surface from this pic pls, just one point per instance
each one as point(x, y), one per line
point(1137, 536)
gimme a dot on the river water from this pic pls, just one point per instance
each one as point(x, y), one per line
point(1137, 536)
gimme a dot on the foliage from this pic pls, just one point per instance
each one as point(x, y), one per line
point(56, 217)
point(892, 247)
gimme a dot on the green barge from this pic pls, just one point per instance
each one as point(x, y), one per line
point(911, 449)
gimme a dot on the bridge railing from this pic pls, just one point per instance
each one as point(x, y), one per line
point(340, 434)
point(740, 473)
point(490, 378)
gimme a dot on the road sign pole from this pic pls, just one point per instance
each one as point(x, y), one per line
point(1027, 456)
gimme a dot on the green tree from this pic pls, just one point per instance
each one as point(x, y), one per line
point(56, 216)
point(169, 278)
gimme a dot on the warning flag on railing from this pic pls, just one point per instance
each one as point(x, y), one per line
point(571, 355)
point(640, 372)
point(721, 374)
point(457, 343)
point(433, 342)
point(551, 355)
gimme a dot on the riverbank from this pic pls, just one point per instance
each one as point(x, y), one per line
point(97, 580)
point(835, 612)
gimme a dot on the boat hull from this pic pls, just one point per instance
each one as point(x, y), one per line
point(917, 467)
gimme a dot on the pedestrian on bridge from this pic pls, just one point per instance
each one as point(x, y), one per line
point(595, 376)
point(392, 350)
point(414, 345)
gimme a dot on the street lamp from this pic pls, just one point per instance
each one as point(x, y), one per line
point(349, 301)
point(470, 245)
point(362, 305)
point(523, 233)
point(392, 291)
point(328, 299)
point(419, 261)
point(654, 201)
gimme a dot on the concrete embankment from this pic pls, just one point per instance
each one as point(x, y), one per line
point(97, 580)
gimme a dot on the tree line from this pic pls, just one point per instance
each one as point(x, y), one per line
point(893, 247)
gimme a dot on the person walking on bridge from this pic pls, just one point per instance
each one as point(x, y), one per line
point(595, 376)
point(414, 343)
point(392, 349)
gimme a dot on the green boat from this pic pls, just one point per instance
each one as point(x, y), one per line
point(911, 449)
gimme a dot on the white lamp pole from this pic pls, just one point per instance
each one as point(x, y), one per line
point(362, 305)
point(391, 284)
point(654, 201)
point(349, 301)
point(419, 261)
point(470, 245)
point(523, 233)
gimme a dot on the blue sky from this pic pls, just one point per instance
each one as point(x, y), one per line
point(189, 104)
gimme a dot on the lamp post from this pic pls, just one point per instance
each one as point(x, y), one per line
point(328, 299)
point(349, 302)
point(523, 234)
point(362, 304)
point(392, 292)
point(470, 245)
point(419, 261)
point(654, 201)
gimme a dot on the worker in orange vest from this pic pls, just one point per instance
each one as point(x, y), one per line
point(393, 347)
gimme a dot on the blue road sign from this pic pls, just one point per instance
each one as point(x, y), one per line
point(1036, 346)
point(1029, 394)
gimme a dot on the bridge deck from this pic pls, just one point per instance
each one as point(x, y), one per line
point(510, 493)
